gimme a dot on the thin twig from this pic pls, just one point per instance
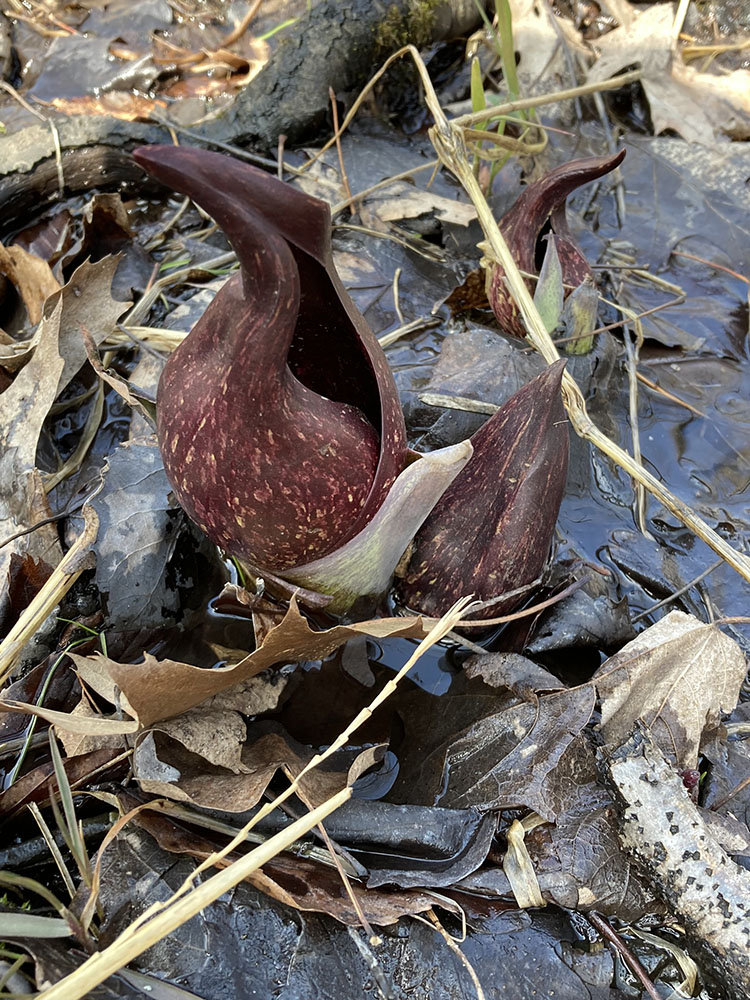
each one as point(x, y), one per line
point(384, 987)
point(342, 168)
point(404, 175)
point(365, 923)
point(711, 263)
point(615, 83)
point(628, 957)
point(678, 593)
point(239, 31)
point(631, 352)
point(242, 154)
point(420, 323)
point(678, 300)
point(669, 395)
point(484, 622)
point(40, 524)
point(731, 793)
point(458, 953)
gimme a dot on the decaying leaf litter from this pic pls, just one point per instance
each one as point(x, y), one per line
point(543, 741)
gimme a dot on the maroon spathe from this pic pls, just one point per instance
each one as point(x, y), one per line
point(278, 418)
point(523, 225)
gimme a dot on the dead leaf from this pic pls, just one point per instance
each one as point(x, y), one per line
point(87, 302)
point(25, 405)
point(701, 107)
point(86, 725)
point(251, 697)
point(582, 621)
point(214, 735)
point(26, 577)
point(510, 759)
point(298, 882)
point(139, 529)
point(308, 885)
point(676, 677)
point(470, 294)
point(171, 760)
point(115, 103)
point(159, 689)
point(511, 670)
point(583, 842)
point(544, 41)
point(61, 692)
point(77, 743)
point(36, 785)
point(423, 846)
point(59, 353)
point(404, 201)
point(31, 276)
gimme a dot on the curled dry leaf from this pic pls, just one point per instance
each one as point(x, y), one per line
point(676, 677)
point(159, 689)
point(32, 278)
point(177, 760)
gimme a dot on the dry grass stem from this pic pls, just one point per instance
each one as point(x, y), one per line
point(453, 945)
point(340, 153)
point(164, 917)
point(64, 575)
point(449, 145)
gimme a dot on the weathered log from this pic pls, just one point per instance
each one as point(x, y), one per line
point(338, 44)
point(665, 832)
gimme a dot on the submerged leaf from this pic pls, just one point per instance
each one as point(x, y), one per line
point(490, 533)
point(278, 416)
point(509, 759)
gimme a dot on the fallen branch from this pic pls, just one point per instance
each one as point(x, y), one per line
point(665, 831)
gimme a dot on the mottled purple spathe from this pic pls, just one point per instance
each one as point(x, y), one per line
point(278, 417)
point(523, 225)
point(491, 531)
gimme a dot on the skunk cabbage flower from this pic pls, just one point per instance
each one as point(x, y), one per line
point(282, 434)
point(538, 211)
point(278, 418)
